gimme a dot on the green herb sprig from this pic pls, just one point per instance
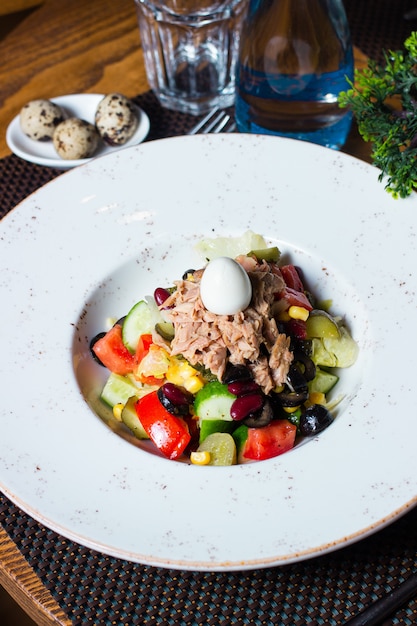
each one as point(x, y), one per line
point(383, 99)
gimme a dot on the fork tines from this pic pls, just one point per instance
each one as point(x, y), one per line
point(215, 121)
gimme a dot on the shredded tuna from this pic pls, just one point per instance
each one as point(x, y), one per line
point(211, 340)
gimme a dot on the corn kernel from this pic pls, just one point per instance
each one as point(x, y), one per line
point(317, 397)
point(193, 384)
point(290, 409)
point(298, 313)
point(200, 458)
point(181, 373)
point(117, 411)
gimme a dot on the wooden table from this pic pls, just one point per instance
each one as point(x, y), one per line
point(53, 49)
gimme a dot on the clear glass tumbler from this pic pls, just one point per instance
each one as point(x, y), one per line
point(295, 58)
point(190, 50)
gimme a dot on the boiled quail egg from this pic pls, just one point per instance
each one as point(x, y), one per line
point(39, 118)
point(225, 287)
point(116, 119)
point(75, 139)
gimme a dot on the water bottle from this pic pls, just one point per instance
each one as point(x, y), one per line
point(295, 58)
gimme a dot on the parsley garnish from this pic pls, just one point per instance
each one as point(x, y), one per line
point(383, 99)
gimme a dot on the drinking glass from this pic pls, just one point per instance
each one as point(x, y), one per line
point(190, 50)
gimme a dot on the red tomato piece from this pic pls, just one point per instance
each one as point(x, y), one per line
point(143, 346)
point(168, 432)
point(112, 352)
point(295, 298)
point(269, 441)
point(291, 277)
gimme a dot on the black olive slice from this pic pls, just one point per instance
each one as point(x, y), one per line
point(292, 398)
point(234, 373)
point(308, 368)
point(175, 409)
point(295, 379)
point(92, 344)
point(260, 418)
point(314, 420)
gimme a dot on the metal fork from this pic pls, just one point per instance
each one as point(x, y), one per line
point(216, 121)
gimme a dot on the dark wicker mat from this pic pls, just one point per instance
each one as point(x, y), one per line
point(92, 588)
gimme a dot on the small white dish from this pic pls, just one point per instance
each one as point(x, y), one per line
point(82, 105)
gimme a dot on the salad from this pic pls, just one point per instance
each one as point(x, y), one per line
point(231, 364)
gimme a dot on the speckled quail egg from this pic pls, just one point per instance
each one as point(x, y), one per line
point(39, 118)
point(75, 139)
point(116, 119)
point(225, 287)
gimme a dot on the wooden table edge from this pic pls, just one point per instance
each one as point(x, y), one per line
point(25, 587)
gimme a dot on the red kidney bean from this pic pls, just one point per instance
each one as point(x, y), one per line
point(243, 387)
point(176, 395)
point(160, 295)
point(245, 405)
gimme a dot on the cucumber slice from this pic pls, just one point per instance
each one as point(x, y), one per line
point(208, 427)
point(266, 254)
point(166, 330)
point(323, 381)
point(213, 402)
point(139, 321)
point(222, 449)
point(321, 324)
point(118, 389)
point(131, 420)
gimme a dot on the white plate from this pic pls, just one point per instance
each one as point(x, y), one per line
point(82, 105)
point(99, 238)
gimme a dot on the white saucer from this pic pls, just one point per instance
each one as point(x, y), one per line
point(82, 105)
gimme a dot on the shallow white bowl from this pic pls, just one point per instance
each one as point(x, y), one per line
point(96, 240)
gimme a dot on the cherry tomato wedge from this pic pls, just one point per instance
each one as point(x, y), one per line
point(112, 352)
point(143, 346)
point(258, 444)
point(291, 277)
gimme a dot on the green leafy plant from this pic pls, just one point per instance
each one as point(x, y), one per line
point(383, 99)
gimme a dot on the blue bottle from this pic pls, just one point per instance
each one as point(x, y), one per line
point(295, 57)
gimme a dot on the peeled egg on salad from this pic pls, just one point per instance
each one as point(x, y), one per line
point(225, 288)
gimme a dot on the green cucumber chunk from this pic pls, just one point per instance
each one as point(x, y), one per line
point(323, 381)
point(240, 437)
point(118, 389)
point(213, 402)
point(139, 321)
point(321, 324)
point(165, 330)
point(208, 427)
point(222, 449)
point(131, 420)
point(266, 254)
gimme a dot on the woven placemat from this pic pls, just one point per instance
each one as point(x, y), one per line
point(97, 589)
point(93, 588)
point(379, 24)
